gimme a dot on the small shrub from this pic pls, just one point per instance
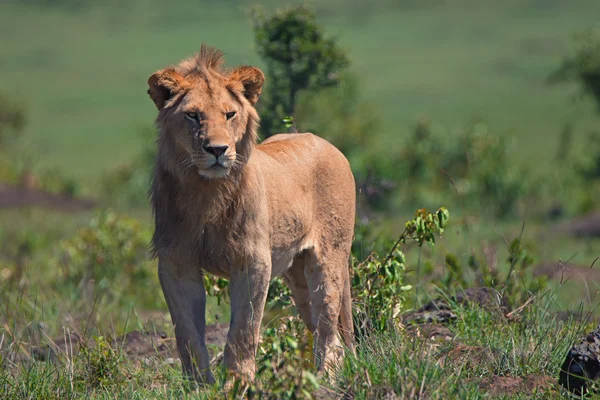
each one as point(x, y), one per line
point(99, 365)
point(521, 282)
point(111, 252)
point(284, 363)
point(378, 288)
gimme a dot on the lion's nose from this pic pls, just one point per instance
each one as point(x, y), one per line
point(216, 150)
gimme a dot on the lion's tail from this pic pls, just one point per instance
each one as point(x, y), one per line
point(346, 321)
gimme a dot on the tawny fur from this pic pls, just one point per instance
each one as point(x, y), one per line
point(283, 207)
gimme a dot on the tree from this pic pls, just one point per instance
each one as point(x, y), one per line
point(583, 66)
point(298, 57)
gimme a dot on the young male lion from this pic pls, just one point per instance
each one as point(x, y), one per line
point(246, 212)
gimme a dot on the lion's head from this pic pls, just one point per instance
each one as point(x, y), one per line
point(207, 118)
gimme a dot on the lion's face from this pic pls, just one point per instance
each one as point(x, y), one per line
point(207, 112)
point(209, 126)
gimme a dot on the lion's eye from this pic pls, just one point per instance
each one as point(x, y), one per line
point(230, 114)
point(191, 115)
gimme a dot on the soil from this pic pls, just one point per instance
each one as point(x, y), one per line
point(507, 385)
point(584, 226)
point(563, 272)
point(13, 197)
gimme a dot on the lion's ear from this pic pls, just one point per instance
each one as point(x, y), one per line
point(163, 85)
point(252, 79)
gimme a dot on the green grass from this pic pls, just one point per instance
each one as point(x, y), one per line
point(83, 73)
point(485, 346)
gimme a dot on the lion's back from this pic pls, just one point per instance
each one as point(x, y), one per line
point(302, 147)
point(305, 170)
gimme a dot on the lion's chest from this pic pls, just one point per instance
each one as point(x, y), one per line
point(205, 247)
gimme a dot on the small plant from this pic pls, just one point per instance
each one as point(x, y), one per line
point(378, 288)
point(521, 283)
point(99, 364)
point(284, 363)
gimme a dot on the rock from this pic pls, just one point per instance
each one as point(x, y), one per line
point(582, 364)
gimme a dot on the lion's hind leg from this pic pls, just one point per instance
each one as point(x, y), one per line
point(346, 320)
point(326, 282)
point(296, 281)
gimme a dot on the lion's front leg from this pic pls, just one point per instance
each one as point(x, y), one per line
point(186, 298)
point(248, 290)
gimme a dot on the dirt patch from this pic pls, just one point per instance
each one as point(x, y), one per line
point(140, 345)
point(136, 345)
point(566, 271)
point(12, 197)
point(509, 385)
point(216, 335)
point(578, 316)
point(468, 357)
point(584, 226)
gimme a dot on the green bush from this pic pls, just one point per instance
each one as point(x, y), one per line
point(111, 253)
point(475, 163)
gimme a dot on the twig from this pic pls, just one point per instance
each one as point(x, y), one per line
point(511, 314)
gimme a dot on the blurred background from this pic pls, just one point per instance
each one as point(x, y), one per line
point(490, 109)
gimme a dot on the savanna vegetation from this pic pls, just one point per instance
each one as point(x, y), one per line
point(472, 128)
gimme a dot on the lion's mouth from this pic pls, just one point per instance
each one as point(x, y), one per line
point(216, 170)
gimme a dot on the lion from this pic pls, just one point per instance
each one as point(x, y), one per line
point(248, 212)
